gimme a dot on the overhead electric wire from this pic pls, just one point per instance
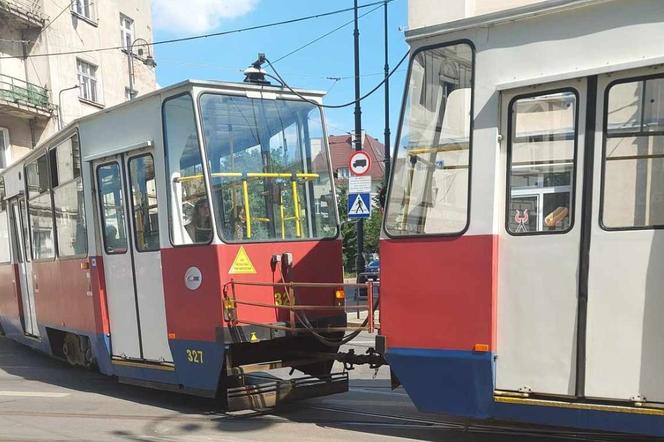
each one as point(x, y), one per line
point(57, 16)
point(278, 78)
point(197, 37)
point(329, 32)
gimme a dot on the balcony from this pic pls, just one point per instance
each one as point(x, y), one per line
point(26, 13)
point(22, 99)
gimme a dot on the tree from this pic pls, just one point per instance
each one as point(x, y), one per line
point(348, 231)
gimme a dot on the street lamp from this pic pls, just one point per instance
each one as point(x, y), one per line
point(148, 61)
point(60, 104)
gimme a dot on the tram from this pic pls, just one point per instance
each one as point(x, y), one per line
point(167, 240)
point(522, 256)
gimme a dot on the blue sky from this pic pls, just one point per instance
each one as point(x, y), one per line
point(224, 57)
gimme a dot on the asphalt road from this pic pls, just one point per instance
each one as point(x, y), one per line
point(42, 399)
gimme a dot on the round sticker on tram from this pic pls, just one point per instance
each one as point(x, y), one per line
point(193, 278)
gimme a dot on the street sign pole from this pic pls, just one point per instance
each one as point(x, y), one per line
point(387, 105)
point(359, 259)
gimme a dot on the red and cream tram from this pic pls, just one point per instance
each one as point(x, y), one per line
point(522, 262)
point(150, 240)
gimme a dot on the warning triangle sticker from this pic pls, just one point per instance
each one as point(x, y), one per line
point(242, 264)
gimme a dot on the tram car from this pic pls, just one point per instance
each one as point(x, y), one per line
point(166, 240)
point(522, 256)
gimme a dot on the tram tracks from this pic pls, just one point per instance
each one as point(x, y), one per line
point(468, 427)
point(332, 416)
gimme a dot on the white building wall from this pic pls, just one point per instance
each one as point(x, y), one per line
point(422, 13)
point(64, 31)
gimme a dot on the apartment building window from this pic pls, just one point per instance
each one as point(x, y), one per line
point(84, 8)
point(87, 79)
point(4, 148)
point(126, 31)
point(343, 172)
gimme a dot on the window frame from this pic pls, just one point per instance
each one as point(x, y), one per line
point(28, 217)
point(92, 17)
point(168, 170)
point(606, 136)
point(508, 163)
point(471, 137)
point(80, 177)
point(126, 31)
point(330, 171)
point(102, 216)
point(90, 76)
point(5, 212)
point(133, 208)
point(5, 149)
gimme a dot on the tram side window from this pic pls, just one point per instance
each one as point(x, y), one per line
point(541, 163)
point(112, 208)
point(144, 203)
point(69, 203)
point(430, 186)
point(190, 220)
point(5, 253)
point(40, 208)
point(633, 177)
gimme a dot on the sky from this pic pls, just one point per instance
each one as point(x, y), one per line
point(225, 57)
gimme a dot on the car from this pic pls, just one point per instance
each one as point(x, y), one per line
point(371, 273)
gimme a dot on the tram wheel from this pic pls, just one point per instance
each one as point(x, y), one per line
point(72, 349)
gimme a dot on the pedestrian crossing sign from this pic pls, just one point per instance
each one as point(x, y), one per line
point(359, 205)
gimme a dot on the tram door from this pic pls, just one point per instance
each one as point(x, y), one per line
point(625, 320)
point(127, 201)
point(19, 233)
point(542, 147)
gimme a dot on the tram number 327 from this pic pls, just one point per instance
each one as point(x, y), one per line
point(195, 356)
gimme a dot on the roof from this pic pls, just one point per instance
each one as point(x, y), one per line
point(168, 90)
point(341, 151)
point(500, 17)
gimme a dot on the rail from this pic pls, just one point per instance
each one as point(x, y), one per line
point(19, 91)
point(289, 303)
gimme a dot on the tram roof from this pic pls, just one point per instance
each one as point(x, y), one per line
point(500, 17)
point(168, 91)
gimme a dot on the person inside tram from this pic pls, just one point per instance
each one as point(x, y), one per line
point(239, 223)
point(200, 227)
point(114, 244)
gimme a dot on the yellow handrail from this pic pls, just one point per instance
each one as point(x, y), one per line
point(247, 211)
point(454, 147)
point(305, 176)
point(296, 208)
point(283, 220)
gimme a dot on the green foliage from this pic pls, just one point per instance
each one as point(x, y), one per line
point(349, 231)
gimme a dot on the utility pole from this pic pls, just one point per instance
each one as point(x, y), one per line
point(359, 259)
point(387, 105)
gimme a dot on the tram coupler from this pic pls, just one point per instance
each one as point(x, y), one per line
point(350, 359)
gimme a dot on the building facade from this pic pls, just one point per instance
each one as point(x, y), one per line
point(51, 71)
point(342, 148)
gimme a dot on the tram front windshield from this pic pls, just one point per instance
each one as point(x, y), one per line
point(269, 169)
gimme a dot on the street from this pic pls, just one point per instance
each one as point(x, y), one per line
point(42, 399)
